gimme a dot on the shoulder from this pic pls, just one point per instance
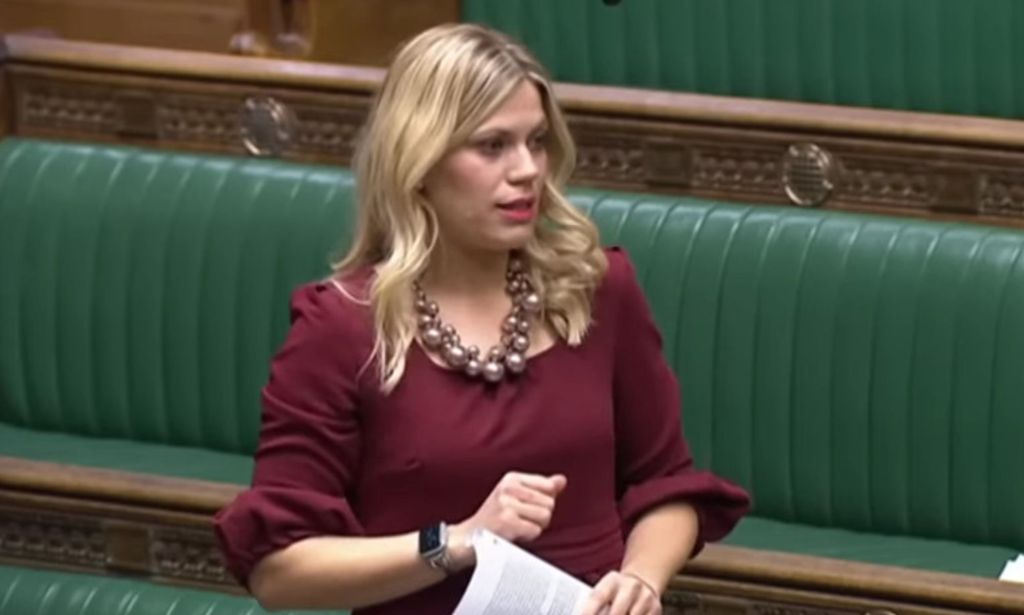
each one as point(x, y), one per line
point(332, 314)
point(619, 285)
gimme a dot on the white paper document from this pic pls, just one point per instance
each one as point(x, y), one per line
point(511, 581)
point(1014, 570)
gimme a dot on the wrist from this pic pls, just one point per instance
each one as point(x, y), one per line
point(461, 553)
point(649, 585)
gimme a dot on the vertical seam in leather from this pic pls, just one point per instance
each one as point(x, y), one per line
point(133, 429)
point(11, 588)
point(203, 271)
point(717, 325)
point(990, 469)
point(88, 600)
point(843, 273)
point(18, 384)
point(793, 371)
point(951, 529)
point(94, 324)
point(679, 342)
point(873, 513)
point(914, 329)
point(770, 236)
point(161, 355)
point(52, 154)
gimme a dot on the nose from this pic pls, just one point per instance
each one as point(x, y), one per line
point(525, 166)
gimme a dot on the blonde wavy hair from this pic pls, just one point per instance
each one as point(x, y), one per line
point(441, 86)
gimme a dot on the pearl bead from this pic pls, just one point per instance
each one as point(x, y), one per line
point(433, 308)
point(493, 371)
point(523, 325)
point(433, 338)
point(473, 352)
point(520, 343)
point(456, 356)
point(448, 330)
point(510, 324)
point(473, 367)
point(515, 362)
point(425, 320)
point(496, 353)
point(532, 303)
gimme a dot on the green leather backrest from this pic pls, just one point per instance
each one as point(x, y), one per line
point(24, 591)
point(857, 371)
point(952, 56)
point(142, 293)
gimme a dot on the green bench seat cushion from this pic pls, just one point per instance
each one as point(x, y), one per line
point(26, 591)
point(905, 551)
point(125, 455)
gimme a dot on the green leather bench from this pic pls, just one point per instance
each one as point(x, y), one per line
point(943, 56)
point(859, 374)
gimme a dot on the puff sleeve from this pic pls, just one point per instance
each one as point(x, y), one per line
point(309, 440)
point(653, 461)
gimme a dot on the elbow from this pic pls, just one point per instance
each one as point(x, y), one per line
point(265, 585)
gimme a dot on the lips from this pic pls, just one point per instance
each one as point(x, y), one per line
point(524, 203)
point(518, 210)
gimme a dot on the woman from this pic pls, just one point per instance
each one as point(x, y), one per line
point(477, 360)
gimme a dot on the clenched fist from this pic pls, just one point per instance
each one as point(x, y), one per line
point(518, 509)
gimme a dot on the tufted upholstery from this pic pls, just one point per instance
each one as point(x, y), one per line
point(142, 291)
point(859, 374)
point(951, 56)
point(853, 371)
point(38, 592)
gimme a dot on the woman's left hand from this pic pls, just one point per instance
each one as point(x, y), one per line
point(620, 593)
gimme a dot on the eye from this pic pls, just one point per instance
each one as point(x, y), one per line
point(539, 141)
point(492, 146)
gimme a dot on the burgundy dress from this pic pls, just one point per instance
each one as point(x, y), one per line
point(338, 457)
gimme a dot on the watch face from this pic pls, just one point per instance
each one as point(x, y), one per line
point(431, 538)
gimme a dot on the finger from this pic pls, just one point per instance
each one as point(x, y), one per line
point(601, 596)
point(627, 594)
point(649, 603)
point(544, 484)
point(530, 512)
point(531, 496)
point(560, 482)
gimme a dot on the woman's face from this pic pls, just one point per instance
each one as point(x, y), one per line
point(486, 191)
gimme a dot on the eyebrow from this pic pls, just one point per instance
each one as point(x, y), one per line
point(498, 131)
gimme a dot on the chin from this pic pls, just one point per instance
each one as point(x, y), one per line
point(513, 241)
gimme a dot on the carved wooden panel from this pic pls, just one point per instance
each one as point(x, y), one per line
point(1001, 193)
point(56, 106)
point(647, 154)
point(47, 537)
point(733, 149)
point(187, 555)
point(121, 543)
point(740, 170)
point(874, 181)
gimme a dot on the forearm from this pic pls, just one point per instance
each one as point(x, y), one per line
point(660, 543)
point(342, 573)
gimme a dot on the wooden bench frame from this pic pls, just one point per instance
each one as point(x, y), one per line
point(941, 167)
point(938, 166)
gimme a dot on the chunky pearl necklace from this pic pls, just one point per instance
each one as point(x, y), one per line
point(509, 356)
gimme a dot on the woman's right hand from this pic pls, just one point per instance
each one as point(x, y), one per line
point(518, 509)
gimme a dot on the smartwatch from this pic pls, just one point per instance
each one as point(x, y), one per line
point(434, 546)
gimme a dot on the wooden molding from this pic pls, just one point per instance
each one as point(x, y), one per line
point(917, 164)
point(106, 521)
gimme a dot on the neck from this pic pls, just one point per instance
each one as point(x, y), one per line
point(459, 272)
